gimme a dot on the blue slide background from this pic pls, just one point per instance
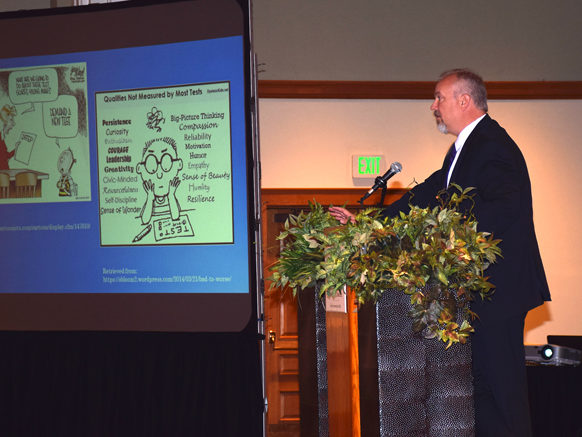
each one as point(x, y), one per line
point(73, 261)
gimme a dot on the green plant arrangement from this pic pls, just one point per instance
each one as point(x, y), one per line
point(434, 255)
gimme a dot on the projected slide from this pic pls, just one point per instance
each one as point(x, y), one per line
point(44, 147)
point(140, 171)
point(165, 169)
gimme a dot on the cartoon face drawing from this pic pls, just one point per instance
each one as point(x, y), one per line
point(159, 173)
point(7, 114)
point(160, 166)
point(65, 162)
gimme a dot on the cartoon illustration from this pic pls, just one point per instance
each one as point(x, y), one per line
point(155, 118)
point(77, 74)
point(66, 185)
point(40, 107)
point(159, 172)
point(7, 114)
point(165, 165)
point(23, 151)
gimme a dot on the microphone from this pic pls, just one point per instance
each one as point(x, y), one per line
point(380, 181)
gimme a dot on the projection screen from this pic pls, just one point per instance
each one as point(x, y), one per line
point(128, 187)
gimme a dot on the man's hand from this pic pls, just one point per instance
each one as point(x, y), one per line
point(342, 214)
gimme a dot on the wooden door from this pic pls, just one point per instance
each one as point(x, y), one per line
point(281, 349)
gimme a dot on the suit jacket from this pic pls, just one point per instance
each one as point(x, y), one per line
point(491, 162)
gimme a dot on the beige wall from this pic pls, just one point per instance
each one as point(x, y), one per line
point(416, 40)
point(308, 143)
point(407, 40)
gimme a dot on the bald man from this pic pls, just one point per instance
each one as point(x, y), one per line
point(485, 157)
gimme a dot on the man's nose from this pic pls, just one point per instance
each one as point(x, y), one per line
point(434, 105)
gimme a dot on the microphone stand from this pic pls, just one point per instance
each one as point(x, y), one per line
point(382, 196)
point(381, 183)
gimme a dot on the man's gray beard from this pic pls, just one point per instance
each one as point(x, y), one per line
point(442, 127)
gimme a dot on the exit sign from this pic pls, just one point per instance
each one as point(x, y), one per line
point(368, 166)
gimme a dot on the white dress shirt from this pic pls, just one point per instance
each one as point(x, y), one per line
point(463, 135)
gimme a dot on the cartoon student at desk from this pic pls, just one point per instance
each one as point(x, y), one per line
point(159, 172)
point(65, 184)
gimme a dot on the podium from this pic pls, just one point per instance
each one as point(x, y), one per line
point(313, 405)
point(409, 386)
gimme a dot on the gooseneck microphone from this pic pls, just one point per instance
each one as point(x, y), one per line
point(380, 181)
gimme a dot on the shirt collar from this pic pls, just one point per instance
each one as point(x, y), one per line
point(464, 134)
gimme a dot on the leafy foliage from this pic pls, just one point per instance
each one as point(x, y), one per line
point(436, 256)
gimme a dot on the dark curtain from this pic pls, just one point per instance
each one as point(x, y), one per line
point(555, 398)
point(130, 384)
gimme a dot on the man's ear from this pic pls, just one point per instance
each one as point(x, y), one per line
point(180, 164)
point(138, 169)
point(464, 101)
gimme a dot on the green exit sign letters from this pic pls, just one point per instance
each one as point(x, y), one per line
point(368, 166)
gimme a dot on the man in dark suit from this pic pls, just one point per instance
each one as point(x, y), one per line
point(485, 157)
